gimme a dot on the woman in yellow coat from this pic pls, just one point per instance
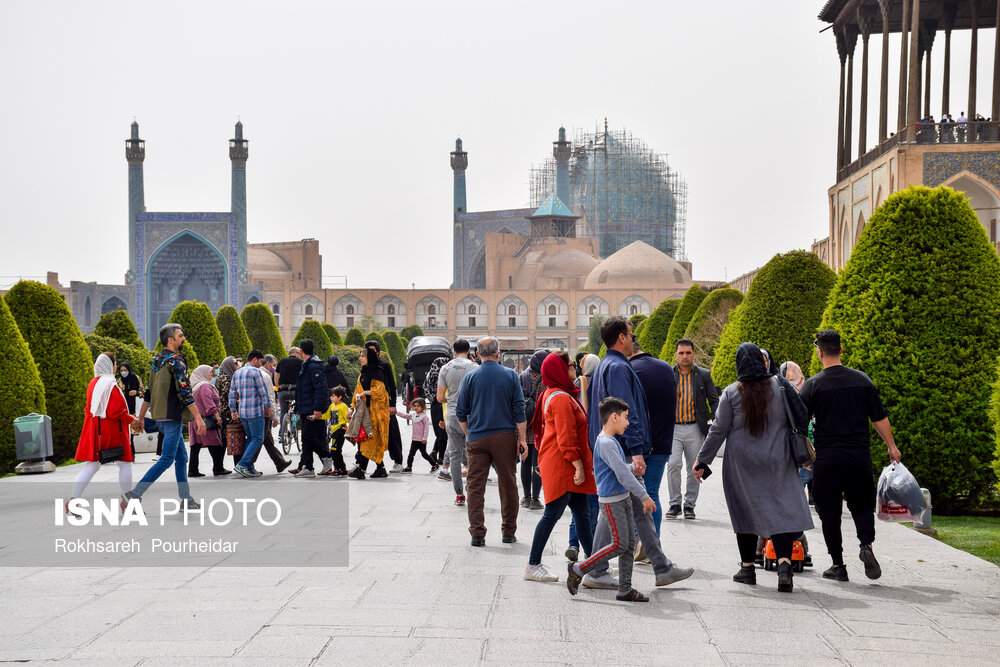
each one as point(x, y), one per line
point(371, 389)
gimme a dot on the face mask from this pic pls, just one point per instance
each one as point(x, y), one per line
point(124, 374)
point(215, 371)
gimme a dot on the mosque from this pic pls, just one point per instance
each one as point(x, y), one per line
point(605, 236)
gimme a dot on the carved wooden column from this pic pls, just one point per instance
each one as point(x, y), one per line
point(973, 59)
point(950, 9)
point(901, 113)
point(842, 54)
point(865, 24)
point(995, 116)
point(927, 32)
point(913, 78)
point(883, 107)
point(851, 36)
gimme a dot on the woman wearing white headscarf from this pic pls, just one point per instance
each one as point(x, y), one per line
point(106, 424)
point(206, 397)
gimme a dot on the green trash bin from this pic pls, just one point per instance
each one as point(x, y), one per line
point(33, 437)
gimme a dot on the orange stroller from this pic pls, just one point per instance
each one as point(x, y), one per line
point(798, 556)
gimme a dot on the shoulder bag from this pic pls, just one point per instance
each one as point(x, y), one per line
point(108, 454)
point(799, 444)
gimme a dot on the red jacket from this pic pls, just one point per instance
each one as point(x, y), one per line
point(564, 440)
point(114, 428)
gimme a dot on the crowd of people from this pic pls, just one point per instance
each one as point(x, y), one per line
point(950, 130)
point(592, 435)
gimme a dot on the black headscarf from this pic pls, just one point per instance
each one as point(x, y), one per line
point(750, 365)
point(372, 370)
point(772, 365)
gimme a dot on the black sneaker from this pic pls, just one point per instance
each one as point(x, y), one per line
point(357, 473)
point(785, 577)
point(408, 470)
point(673, 512)
point(746, 575)
point(380, 472)
point(689, 513)
point(872, 569)
point(836, 572)
point(509, 539)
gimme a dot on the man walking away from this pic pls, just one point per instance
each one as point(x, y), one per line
point(312, 399)
point(250, 403)
point(697, 400)
point(266, 370)
point(616, 377)
point(285, 376)
point(169, 397)
point(448, 388)
point(490, 411)
point(843, 401)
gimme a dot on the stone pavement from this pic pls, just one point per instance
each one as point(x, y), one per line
point(417, 593)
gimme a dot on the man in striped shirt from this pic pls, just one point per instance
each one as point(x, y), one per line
point(250, 402)
point(697, 400)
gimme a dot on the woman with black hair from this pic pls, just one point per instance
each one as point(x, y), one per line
point(760, 479)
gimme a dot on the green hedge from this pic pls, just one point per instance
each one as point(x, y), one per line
point(706, 326)
point(62, 356)
point(594, 332)
point(262, 330)
point(657, 325)
point(918, 309)
point(313, 330)
point(603, 351)
point(685, 311)
point(637, 331)
point(636, 320)
point(200, 332)
point(781, 312)
point(117, 324)
point(332, 334)
point(349, 365)
point(22, 393)
point(397, 353)
point(410, 332)
point(137, 357)
point(354, 337)
point(234, 334)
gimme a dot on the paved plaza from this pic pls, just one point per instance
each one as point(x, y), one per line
point(417, 593)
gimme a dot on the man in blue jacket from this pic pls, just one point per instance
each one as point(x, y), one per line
point(312, 398)
point(616, 377)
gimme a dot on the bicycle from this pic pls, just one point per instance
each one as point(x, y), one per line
point(290, 429)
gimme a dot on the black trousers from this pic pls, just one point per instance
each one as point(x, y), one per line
point(839, 476)
point(218, 453)
point(313, 441)
point(530, 481)
point(337, 449)
point(440, 434)
point(783, 543)
point(417, 446)
point(395, 441)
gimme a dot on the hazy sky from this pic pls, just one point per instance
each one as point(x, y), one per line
point(351, 110)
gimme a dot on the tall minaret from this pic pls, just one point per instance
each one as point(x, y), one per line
point(238, 155)
point(135, 153)
point(459, 163)
point(561, 152)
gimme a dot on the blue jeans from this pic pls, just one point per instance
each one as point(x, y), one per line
point(805, 476)
point(655, 465)
point(173, 453)
point(254, 428)
point(553, 512)
point(595, 511)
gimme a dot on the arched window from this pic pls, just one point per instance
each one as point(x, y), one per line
point(350, 310)
point(309, 309)
point(592, 310)
point(552, 309)
point(633, 310)
point(472, 309)
point(432, 309)
point(276, 309)
point(512, 309)
point(391, 310)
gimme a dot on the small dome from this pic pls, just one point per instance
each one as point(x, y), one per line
point(638, 265)
point(569, 263)
point(261, 260)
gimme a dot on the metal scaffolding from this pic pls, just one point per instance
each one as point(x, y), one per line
point(623, 191)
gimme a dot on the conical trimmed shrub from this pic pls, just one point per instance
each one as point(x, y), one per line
point(685, 311)
point(234, 334)
point(118, 325)
point(354, 337)
point(313, 330)
point(200, 332)
point(918, 309)
point(62, 357)
point(636, 320)
point(332, 334)
point(657, 325)
point(262, 330)
point(706, 326)
point(394, 346)
point(349, 365)
point(19, 398)
point(412, 331)
point(138, 358)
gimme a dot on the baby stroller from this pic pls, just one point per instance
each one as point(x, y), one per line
point(421, 352)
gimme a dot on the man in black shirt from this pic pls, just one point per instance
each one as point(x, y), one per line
point(286, 374)
point(843, 400)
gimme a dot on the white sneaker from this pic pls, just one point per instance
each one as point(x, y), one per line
point(613, 571)
point(305, 473)
point(327, 466)
point(539, 573)
point(398, 467)
point(606, 582)
point(156, 458)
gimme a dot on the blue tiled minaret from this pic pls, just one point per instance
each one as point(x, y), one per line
point(135, 153)
point(459, 163)
point(561, 152)
point(238, 155)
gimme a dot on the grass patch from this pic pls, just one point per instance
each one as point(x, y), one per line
point(977, 535)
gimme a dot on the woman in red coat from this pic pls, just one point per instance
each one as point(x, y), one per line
point(106, 424)
point(564, 457)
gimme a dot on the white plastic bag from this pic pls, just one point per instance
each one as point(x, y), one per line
point(899, 495)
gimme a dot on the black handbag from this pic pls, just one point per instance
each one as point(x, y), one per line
point(111, 454)
point(212, 423)
point(799, 444)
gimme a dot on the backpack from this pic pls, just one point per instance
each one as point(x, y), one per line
point(530, 398)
